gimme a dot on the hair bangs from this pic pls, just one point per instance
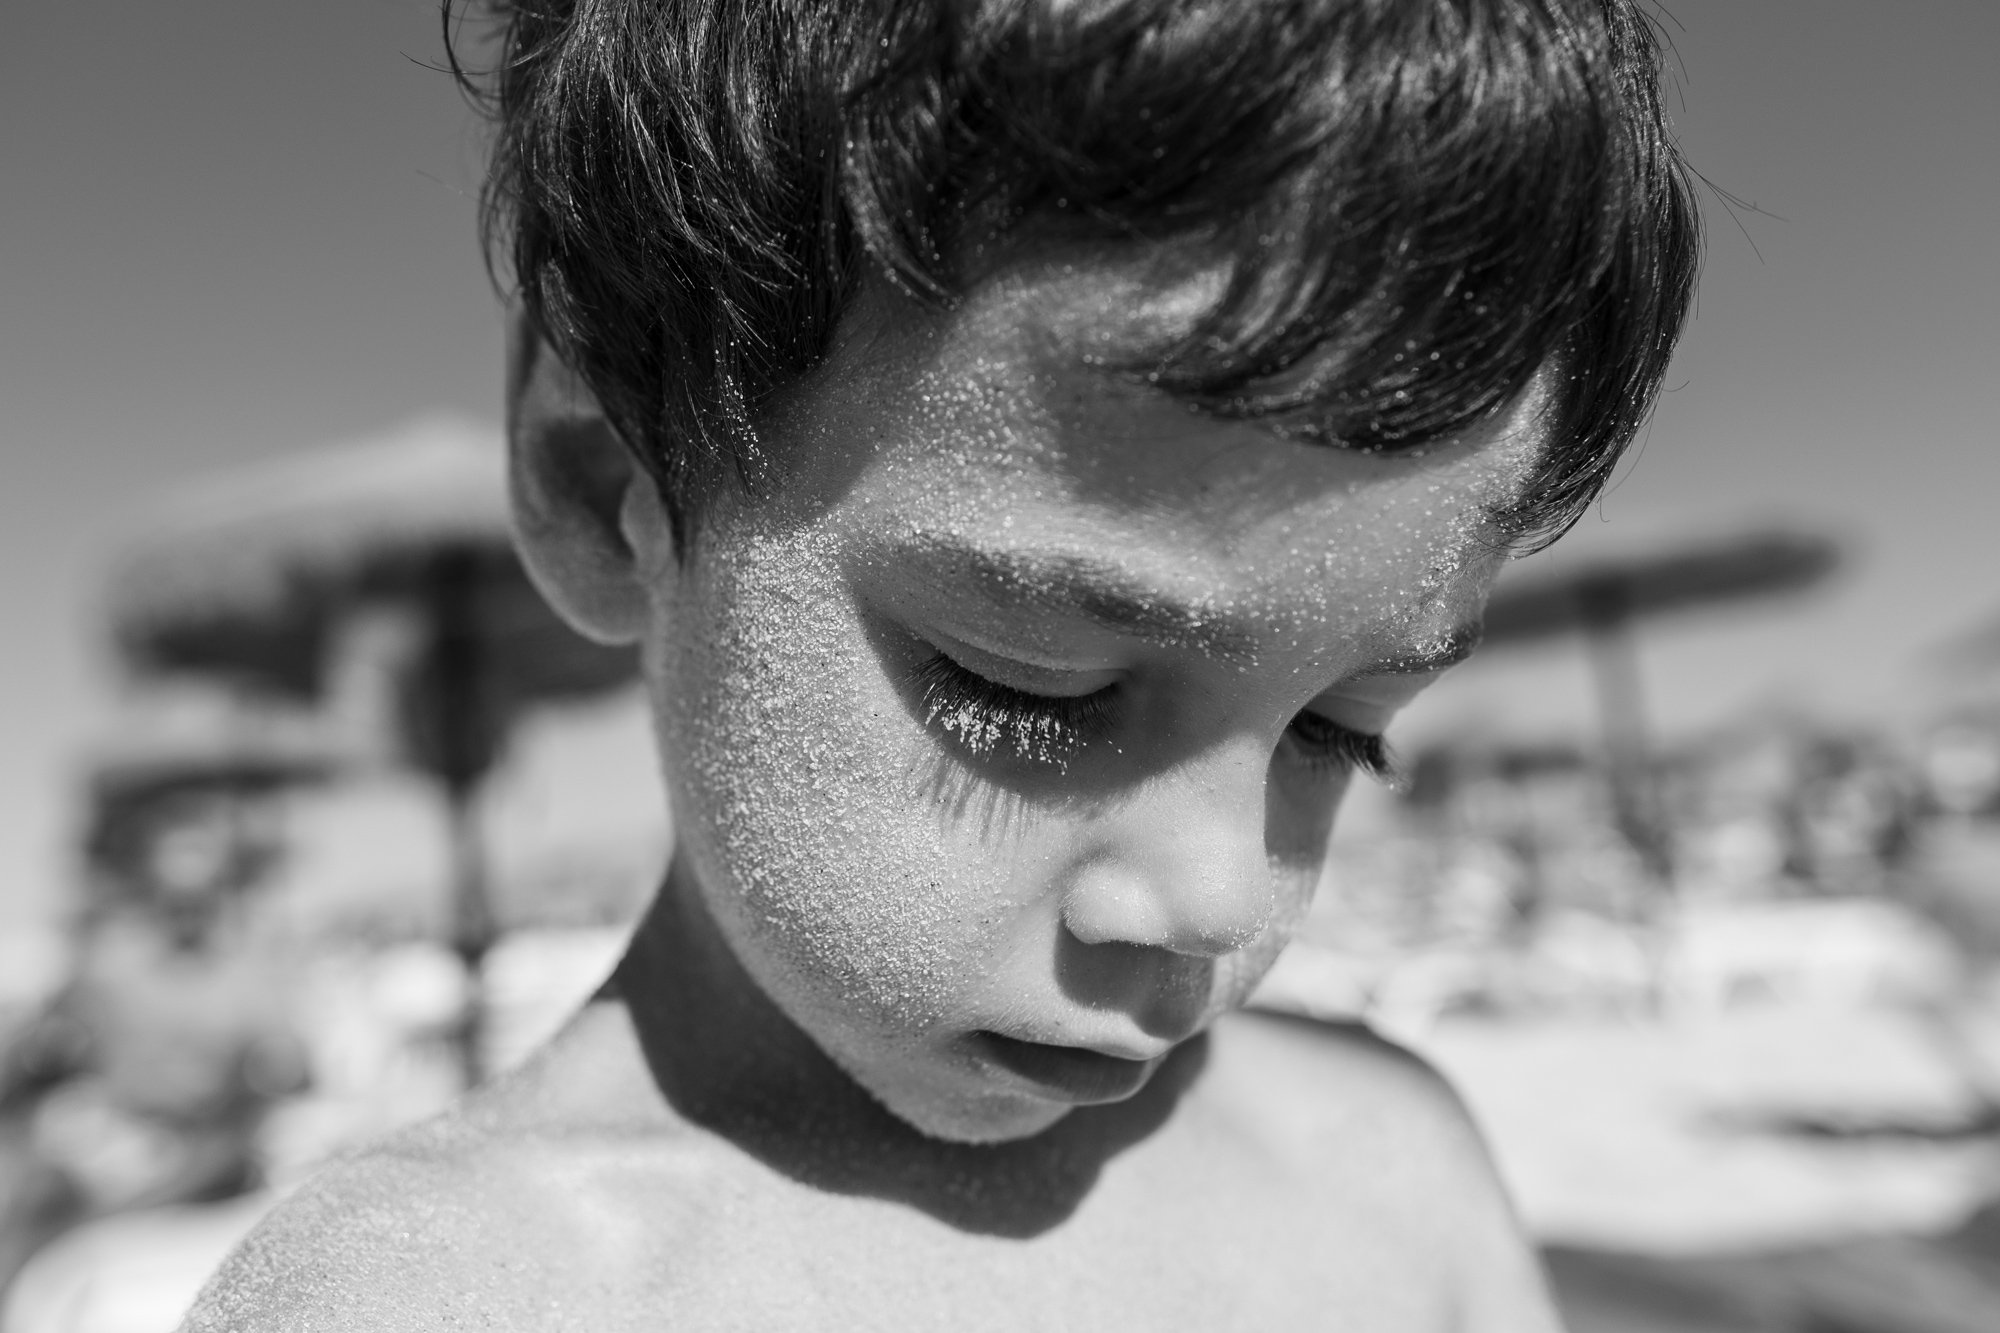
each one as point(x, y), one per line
point(1420, 203)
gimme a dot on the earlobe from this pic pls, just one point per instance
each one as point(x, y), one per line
point(579, 497)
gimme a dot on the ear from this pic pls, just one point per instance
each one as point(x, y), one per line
point(589, 522)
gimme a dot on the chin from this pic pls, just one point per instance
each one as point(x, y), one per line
point(968, 1117)
point(983, 1125)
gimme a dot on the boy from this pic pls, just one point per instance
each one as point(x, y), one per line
point(1038, 445)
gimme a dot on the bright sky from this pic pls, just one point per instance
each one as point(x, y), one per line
point(233, 228)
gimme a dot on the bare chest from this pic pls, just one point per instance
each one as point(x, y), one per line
point(1198, 1252)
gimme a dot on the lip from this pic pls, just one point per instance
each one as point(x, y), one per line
point(1072, 1073)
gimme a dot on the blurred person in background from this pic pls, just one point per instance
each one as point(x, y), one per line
point(145, 1079)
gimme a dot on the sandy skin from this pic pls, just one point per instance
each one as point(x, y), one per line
point(1274, 1175)
point(934, 1022)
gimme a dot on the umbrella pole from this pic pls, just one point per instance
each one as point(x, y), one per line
point(1614, 661)
point(464, 736)
point(471, 924)
point(1621, 708)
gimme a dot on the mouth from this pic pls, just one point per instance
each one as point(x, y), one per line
point(1070, 1073)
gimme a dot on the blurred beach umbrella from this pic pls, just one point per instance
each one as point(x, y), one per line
point(1602, 600)
point(1615, 590)
point(252, 580)
point(247, 578)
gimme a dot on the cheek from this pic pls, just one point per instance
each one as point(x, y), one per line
point(800, 779)
point(1299, 809)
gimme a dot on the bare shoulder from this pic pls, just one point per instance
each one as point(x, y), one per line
point(345, 1250)
point(1373, 1123)
point(1305, 1075)
point(1352, 1110)
point(496, 1214)
point(439, 1222)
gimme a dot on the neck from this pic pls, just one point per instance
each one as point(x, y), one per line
point(730, 1061)
point(719, 1049)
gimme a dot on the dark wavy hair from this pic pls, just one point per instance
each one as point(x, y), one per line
point(1422, 202)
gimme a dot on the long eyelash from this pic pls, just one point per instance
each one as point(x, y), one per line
point(1327, 744)
point(989, 719)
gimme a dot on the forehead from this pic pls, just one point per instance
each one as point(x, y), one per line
point(928, 437)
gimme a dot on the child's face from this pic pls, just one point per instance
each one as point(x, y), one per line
point(1005, 731)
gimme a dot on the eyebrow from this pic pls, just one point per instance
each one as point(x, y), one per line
point(1113, 597)
point(1103, 592)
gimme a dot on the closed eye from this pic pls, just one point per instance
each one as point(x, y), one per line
point(991, 721)
point(1325, 744)
point(994, 721)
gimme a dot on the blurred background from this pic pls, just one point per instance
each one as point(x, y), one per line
point(308, 813)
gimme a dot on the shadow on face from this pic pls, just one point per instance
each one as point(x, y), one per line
point(725, 1058)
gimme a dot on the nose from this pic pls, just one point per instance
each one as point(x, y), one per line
point(1181, 866)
